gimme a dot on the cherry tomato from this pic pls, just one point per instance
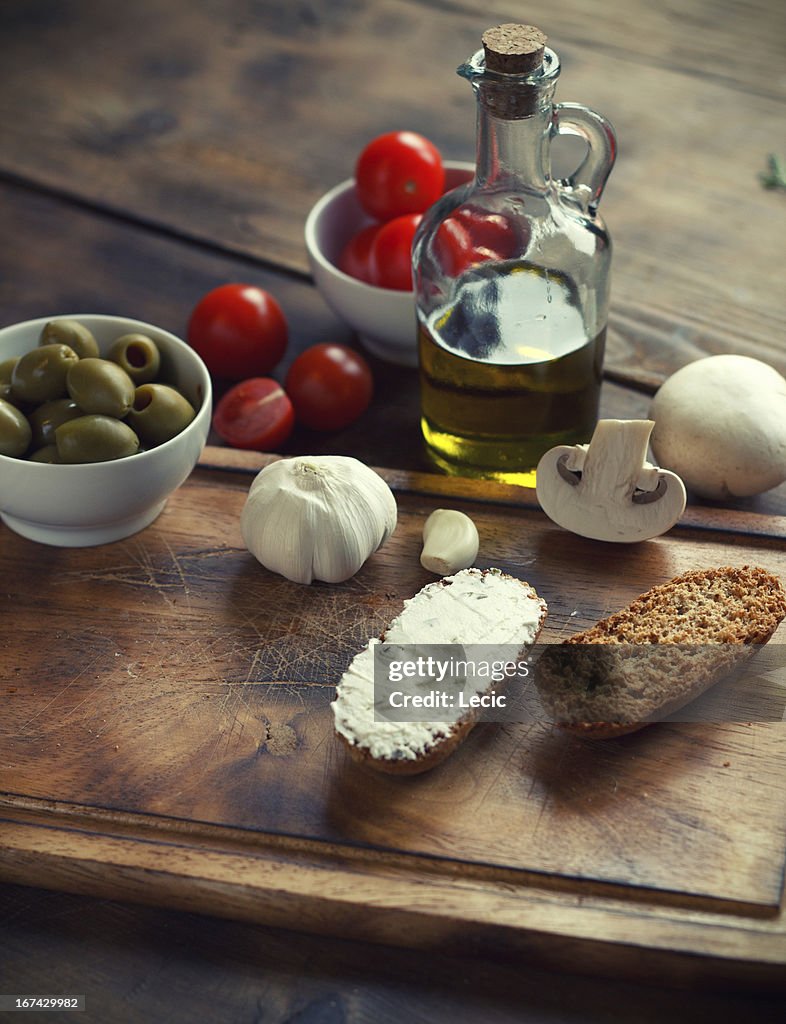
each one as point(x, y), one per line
point(458, 176)
point(470, 236)
point(255, 413)
point(355, 254)
point(488, 230)
point(239, 330)
point(398, 173)
point(330, 386)
point(390, 258)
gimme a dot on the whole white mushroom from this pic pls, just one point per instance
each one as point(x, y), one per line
point(720, 424)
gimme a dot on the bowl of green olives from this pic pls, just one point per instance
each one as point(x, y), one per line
point(101, 419)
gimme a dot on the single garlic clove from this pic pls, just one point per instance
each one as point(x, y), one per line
point(275, 530)
point(450, 542)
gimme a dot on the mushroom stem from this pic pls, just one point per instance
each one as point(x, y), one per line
point(616, 460)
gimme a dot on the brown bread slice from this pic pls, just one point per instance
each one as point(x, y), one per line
point(662, 651)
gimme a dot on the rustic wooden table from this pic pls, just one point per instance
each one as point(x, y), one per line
point(151, 151)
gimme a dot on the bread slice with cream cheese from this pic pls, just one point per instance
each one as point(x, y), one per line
point(472, 607)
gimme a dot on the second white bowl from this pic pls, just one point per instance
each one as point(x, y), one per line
point(383, 319)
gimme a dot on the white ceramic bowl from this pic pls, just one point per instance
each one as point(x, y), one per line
point(86, 504)
point(383, 319)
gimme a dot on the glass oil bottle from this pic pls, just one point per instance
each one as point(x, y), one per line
point(512, 275)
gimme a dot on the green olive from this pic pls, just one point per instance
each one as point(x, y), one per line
point(46, 454)
point(46, 418)
point(100, 386)
point(7, 368)
point(138, 355)
point(40, 375)
point(71, 333)
point(158, 413)
point(95, 439)
point(15, 432)
point(7, 394)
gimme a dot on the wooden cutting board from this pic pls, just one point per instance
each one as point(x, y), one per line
point(166, 736)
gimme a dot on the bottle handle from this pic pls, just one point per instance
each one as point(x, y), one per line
point(585, 186)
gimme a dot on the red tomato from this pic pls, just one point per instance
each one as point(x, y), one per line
point(239, 330)
point(354, 256)
point(458, 176)
point(492, 231)
point(390, 258)
point(330, 386)
point(255, 413)
point(398, 173)
point(470, 236)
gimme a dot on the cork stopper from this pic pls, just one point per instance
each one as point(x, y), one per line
point(513, 49)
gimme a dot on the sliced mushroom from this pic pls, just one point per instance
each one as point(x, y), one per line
point(607, 490)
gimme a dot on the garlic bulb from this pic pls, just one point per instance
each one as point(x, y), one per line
point(317, 517)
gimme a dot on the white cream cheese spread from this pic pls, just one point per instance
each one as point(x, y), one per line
point(471, 607)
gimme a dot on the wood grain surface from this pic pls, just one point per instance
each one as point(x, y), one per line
point(180, 708)
point(183, 962)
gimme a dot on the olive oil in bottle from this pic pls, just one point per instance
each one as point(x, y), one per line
point(512, 275)
point(500, 388)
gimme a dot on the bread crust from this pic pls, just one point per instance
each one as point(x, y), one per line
point(433, 756)
point(736, 608)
